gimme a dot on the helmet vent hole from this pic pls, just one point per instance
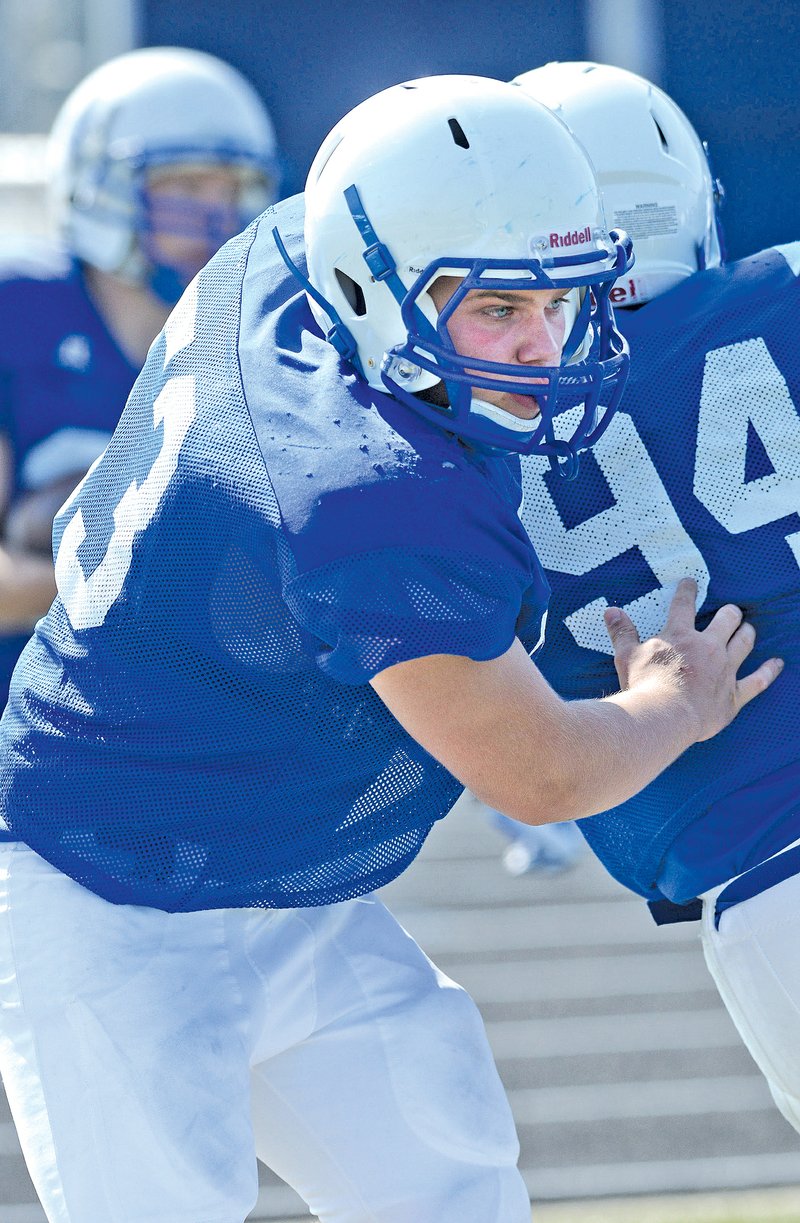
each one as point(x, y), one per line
point(661, 136)
point(353, 292)
point(459, 136)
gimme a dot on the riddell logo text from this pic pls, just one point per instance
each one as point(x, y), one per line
point(623, 291)
point(574, 238)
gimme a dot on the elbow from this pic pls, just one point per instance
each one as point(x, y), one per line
point(551, 812)
point(541, 804)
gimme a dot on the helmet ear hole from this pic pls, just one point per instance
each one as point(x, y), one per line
point(353, 293)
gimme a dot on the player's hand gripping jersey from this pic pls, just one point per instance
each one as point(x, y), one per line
point(242, 566)
point(698, 475)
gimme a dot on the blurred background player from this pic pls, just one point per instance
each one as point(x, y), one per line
point(155, 160)
point(699, 475)
point(547, 848)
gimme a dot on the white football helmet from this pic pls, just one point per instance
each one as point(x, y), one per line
point(158, 107)
point(651, 165)
point(467, 177)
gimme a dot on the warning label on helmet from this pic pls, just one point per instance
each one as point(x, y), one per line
point(648, 220)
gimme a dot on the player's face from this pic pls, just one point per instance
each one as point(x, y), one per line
point(193, 209)
point(519, 327)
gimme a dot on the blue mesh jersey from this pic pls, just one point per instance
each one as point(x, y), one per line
point(63, 381)
point(698, 475)
point(192, 724)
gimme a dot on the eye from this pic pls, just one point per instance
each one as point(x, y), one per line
point(499, 311)
point(557, 304)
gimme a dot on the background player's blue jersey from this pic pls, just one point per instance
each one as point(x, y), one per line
point(192, 724)
point(63, 381)
point(698, 475)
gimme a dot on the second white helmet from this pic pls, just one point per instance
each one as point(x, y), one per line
point(651, 165)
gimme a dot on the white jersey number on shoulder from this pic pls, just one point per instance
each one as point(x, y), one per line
point(89, 600)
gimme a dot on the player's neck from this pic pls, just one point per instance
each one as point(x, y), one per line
point(133, 315)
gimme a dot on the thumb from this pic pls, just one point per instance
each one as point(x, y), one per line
point(620, 628)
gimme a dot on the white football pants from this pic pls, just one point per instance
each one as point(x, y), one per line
point(149, 1058)
point(754, 959)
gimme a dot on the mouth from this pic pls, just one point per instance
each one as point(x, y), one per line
point(526, 407)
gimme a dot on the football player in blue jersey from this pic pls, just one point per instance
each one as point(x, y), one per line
point(698, 475)
point(295, 615)
point(156, 159)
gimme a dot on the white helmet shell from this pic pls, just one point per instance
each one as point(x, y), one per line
point(651, 165)
point(150, 107)
point(454, 175)
point(455, 167)
point(467, 177)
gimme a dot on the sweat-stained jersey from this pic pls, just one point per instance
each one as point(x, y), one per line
point(192, 725)
point(698, 475)
point(63, 381)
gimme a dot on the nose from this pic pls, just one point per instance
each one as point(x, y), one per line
point(541, 338)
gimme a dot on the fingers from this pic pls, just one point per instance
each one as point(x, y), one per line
point(725, 622)
point(620, 629)
point(683, 609)
point(741, 644)
point(753, 685)
point(683, 613)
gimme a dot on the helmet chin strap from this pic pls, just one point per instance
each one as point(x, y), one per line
point(499, 416)
point(437, 394)
point(565, 460)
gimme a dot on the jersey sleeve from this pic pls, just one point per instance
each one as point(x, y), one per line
point(455, 575)
point(375, 610)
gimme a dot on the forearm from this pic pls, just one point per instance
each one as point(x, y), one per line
point(501, 729)
point(593, 755)
point(519, 747)
point(676, 690)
